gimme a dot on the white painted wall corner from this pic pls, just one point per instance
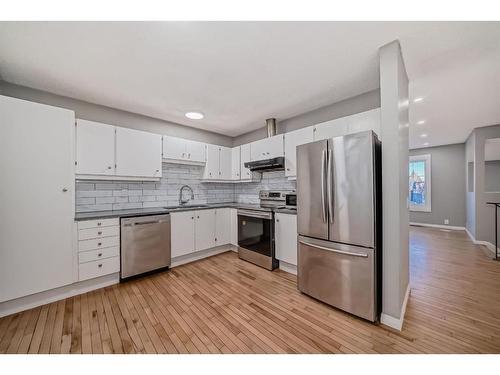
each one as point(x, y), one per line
point(396, 323)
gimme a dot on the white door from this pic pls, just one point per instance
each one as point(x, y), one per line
point(196, 151)
point(174, 148)
point(292, 140)
point(225, 163)
point(267, 148)
point(222, 226)
point(234, 226)
point(235, 163)
point(329, 129)
point(212, 166)
point(369, 120)
point(95, 148)
point(138, 153)
point(182, 227)
point(286, 238)
point(205, 229)
point(37, 156)
point(245, 157)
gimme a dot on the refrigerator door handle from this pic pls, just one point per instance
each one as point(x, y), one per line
point(329, 185)
point(323, 199)
point(361, 255)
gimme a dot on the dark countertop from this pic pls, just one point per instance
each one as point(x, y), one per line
point(79, 216)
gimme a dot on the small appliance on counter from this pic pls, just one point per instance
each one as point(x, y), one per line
point(256, 229)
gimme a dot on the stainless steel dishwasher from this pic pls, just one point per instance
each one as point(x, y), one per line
point(145, 244)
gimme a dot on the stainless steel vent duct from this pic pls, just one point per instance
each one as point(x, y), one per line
point(271, 127)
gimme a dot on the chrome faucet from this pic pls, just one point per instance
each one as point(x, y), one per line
point(184, 201)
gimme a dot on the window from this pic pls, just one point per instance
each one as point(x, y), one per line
point(420, 183)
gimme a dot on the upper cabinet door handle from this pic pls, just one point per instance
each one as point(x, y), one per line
point(65, 190)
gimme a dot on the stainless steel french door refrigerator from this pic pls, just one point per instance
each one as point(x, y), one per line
point(339, 222)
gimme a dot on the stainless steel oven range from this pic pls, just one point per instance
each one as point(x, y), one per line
point(256, 229)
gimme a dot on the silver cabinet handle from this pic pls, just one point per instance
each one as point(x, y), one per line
point(99, 243)
point(100, 265)
point(99, 224)
point(99, 233)
point(323, 200)
point(189, 156)
point(109, 167)
point(330, 185)
point(361, 255)
point(99, 255)
point(65, 190)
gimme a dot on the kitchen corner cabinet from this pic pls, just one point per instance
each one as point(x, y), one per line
point(292, 140)
point(222, 226)
point(138, 153)
point(267, 148)
point(368, 120)
point(286, 237)
point(95, 148)
point(184, 151)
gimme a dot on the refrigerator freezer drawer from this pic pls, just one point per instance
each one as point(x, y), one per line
point(340, 275)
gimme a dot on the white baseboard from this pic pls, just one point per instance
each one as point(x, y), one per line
point(451, 227)
point(488, 245)
point(396, 323)
point(53, 295)
point(288, 267)
point(188, 258)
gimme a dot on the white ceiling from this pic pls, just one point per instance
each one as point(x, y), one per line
point(239, 73)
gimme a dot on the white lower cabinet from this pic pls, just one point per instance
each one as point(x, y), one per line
point(204, 229)
point(222, 226)
point(98, 248)
point(182, 229)
point(234, 226)
point(286, 237)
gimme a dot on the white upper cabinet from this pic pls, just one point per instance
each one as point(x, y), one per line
point(95, 148)
point(267, 148)
point(332, 128)
point(196, 151)
point(235, 163)
point(183, 151)
point(292, 140)
point(212, 165)
point(138, 153)
point(369, 120)
point(225, 164)
point(245, 157)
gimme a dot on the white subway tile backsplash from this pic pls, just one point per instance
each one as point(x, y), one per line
point(112, 195)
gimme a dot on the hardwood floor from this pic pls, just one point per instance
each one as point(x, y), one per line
point(225, 305)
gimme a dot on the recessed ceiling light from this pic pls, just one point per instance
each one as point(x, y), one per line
point(419, 99)
point(426, 144)
point(424, 135)
point(421, 122)
point(194, 115)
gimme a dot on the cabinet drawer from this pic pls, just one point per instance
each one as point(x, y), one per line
point(87, 234)
point(98, 223)
point(98, 268)
point(92, 255)
point(98, 243)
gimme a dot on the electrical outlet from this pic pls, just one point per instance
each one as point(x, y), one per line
point(446, 221)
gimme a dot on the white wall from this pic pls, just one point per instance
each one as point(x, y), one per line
point(394, 137)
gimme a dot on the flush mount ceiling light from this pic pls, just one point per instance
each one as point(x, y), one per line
point(421, 122)
point(424, 135)
point(419, 99)
point(194, 115)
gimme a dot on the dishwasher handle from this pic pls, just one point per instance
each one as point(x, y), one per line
point(158, 219)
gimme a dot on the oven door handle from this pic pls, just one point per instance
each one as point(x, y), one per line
point(259, 215)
